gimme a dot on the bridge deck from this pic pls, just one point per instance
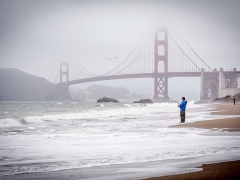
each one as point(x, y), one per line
point(147, 75)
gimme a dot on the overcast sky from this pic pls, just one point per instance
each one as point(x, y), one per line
point(36, 35)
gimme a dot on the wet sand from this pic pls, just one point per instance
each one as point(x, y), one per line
point(217, 171)
point(227, 124)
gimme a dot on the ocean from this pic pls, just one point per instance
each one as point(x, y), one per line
point(107, 140)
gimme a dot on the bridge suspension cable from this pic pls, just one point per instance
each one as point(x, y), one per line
point(134, 58)
point(56, 76)
point(181, 58)
point(54, 65)
point(127, 56)
point(91, 74)
point(81, 71)
point(192, 49)
point(181, 54)
point(51, 73)
point(183, 51)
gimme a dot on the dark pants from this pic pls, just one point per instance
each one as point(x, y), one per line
point(234, 102)
point(182, 115)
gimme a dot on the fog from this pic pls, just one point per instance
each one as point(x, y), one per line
point(36, 35)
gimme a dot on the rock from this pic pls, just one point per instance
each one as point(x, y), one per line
point(227, 98)
point(144, 101)
point(237, 97)
point(223, 99)
point(107, 99)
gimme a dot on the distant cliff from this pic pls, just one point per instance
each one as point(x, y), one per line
point(95, 92)
point(16, 85)
point(98, 91)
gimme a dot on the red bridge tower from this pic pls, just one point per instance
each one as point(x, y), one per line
point(160, 55)
point(64, 77)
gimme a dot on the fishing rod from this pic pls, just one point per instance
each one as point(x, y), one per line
point(166, 96)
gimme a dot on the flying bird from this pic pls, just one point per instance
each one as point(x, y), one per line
point(111, 58)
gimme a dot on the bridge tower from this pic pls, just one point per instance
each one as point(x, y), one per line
point(160, 55)
point(228, 83)
point(210, 83)
point(64, 77)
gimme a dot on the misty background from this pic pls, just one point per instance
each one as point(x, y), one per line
point(36, 35)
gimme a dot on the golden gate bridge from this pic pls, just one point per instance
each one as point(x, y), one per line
point(165, 54)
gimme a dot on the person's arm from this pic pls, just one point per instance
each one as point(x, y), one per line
point(180, 105)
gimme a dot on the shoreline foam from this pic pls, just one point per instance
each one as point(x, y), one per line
point(185, 164)
point(216, 171)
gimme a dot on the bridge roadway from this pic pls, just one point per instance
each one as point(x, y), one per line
point(147, 75)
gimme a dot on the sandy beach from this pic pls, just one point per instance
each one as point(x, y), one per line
point(216, 171)
point(121, 142)
point(227, 124)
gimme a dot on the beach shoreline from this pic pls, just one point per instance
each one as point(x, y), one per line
point(226, 124)
point(184, 167)
point(216, 171)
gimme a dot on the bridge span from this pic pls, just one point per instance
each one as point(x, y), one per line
point(166, 55)
point(134, 76)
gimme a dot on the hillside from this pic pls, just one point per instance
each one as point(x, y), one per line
point(95, 92)
point(16, 85)
point(99, 91)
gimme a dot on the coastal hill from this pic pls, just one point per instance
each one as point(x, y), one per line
point(16, 85)
point(20, 86)
point(101, 90)
point(97, 91)
point(94, 92)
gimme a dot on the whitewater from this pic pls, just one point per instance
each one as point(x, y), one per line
point(127, 138)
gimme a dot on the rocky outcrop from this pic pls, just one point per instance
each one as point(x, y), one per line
point(237, 97)
point(107, 99)
point(227, 98)
point(144, 101)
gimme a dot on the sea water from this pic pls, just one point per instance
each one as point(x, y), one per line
point(55, 136)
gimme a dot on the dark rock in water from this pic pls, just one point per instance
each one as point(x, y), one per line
point(107, 99)
point(144, 101)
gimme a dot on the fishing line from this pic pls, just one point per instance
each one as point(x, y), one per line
point(166, 97)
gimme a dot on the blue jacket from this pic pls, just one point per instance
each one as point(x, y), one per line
point(183, 105)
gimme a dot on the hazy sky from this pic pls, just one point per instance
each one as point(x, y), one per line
point(36, 35)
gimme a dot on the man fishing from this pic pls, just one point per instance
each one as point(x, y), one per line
point(182, 107)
